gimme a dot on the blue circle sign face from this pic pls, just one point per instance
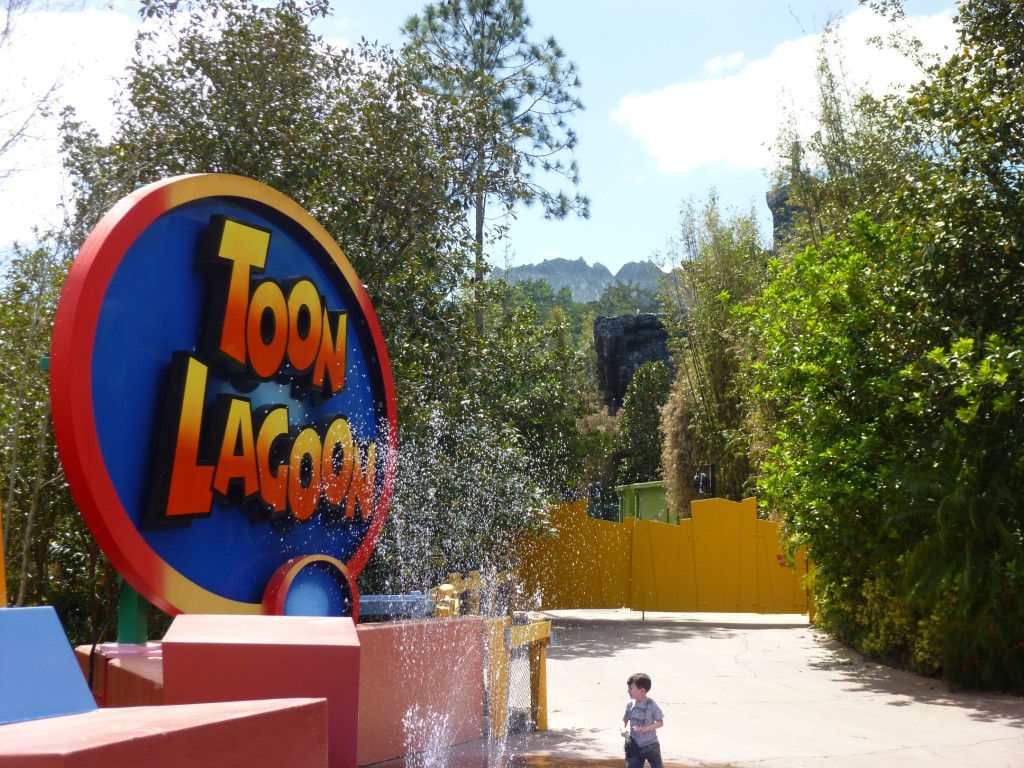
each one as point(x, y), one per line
point(222, 397)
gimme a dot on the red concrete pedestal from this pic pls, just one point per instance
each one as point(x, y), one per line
point(254, 734)
point(235, 658)
point(423, 686)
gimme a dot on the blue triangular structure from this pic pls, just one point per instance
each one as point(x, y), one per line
point(39, 676)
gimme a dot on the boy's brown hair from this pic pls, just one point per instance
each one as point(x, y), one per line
point(640, 680)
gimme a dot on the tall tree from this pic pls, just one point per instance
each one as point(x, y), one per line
point(719, 265)
point(640, 423)
point(520, 91)
point(347, 134)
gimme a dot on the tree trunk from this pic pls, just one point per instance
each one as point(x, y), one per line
point(37, 485)
point(12, 467)
point(481, 192)
point(478, 276)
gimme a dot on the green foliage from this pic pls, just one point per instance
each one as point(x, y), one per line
point(640, 423)
point(539, 296)
point(50, 557)
point(719, 266)
point(531, 376)
point(29, 291)
point(888, 368)
point(886, 623)
point(824, 380)
point(876, 465)
point(625, 299)
point(616, 299)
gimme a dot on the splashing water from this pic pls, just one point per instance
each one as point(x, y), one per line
point(464, 492)
point(427, 737)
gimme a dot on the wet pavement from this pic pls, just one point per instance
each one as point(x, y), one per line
point(521, 761)
point(744, 690)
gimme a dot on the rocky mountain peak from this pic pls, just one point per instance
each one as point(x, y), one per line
point(586, 282)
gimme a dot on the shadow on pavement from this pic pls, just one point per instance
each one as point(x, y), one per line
point(865, 676)
point(586, 638)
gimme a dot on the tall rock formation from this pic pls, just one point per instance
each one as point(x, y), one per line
point(624, 343)
point(784, 213)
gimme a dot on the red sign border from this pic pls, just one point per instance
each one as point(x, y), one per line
point(71, 383)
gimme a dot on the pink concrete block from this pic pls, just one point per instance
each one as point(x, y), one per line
point(422, 686)
point(124, 674)
point(235, 658)
point(254, 734)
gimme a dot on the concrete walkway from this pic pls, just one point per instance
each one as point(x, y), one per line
point(754, 690)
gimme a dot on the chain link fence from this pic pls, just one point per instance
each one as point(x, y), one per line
point(520, 691)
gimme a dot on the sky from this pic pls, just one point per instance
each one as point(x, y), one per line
point(681, 98)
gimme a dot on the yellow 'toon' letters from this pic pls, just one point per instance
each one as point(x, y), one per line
point(267, 331)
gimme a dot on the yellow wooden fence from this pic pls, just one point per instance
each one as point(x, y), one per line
point(722, 559)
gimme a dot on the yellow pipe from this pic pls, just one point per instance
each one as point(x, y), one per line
point(533, 632)
point(497, 673)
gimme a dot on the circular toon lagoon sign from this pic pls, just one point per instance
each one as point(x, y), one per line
point(223, 401)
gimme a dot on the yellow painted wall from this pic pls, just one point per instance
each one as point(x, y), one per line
point(723, 559)
point(586, 563)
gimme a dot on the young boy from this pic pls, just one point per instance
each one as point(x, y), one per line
point(640, 724)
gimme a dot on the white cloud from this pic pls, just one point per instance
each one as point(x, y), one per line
point(727, 63)
point(84, 53)
point(87, 52)
point(734, 118)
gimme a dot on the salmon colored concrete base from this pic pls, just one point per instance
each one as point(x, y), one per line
point(254, 734)
point(124, 674)
point(235, 658)
point(422, 686)
point(412, 676)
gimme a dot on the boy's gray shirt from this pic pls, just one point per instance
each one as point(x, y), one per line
point(646, 712)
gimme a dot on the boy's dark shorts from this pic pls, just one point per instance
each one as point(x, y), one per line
point(636, 755)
